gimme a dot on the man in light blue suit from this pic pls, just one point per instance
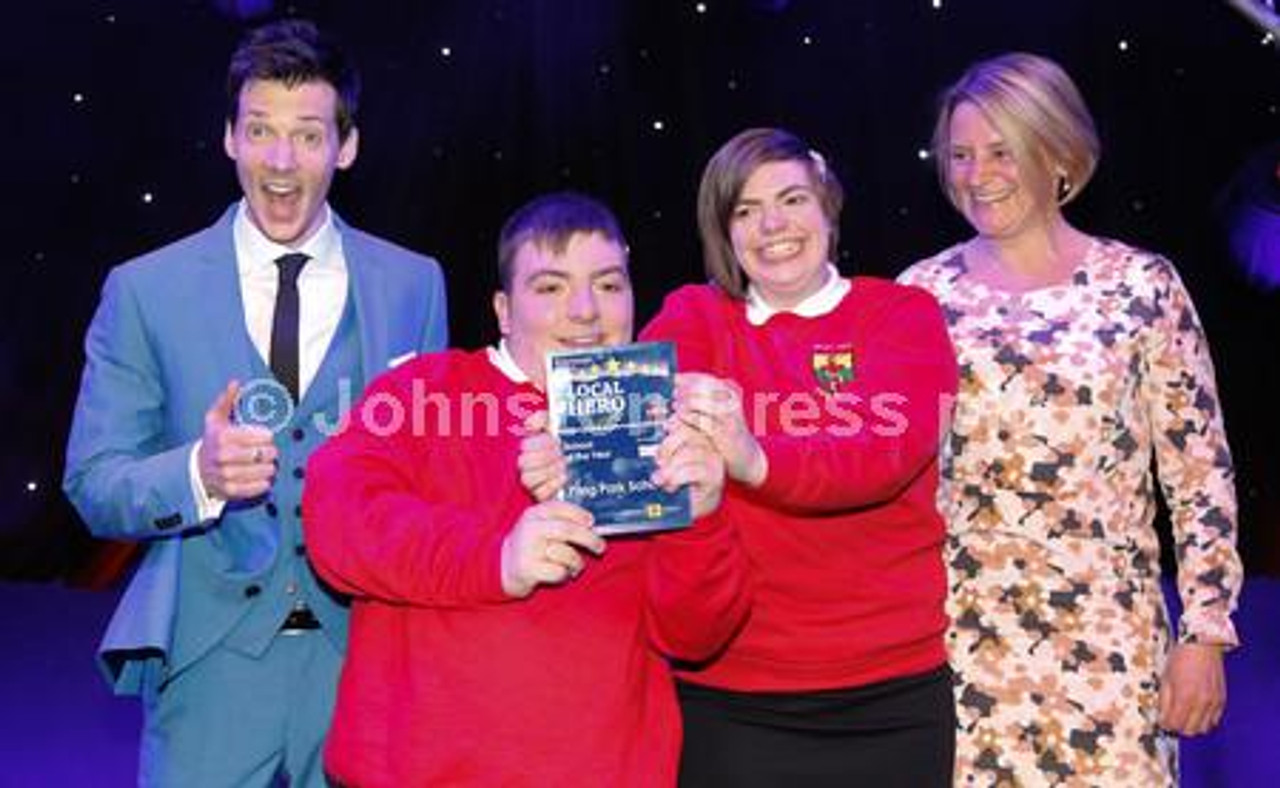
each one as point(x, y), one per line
point(214, 366)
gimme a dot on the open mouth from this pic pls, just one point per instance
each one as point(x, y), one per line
point(781, 250)
point(281, 191)
point(993, 196)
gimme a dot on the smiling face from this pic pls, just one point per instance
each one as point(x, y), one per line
point(780, 235)
point(580, 297)
point(999, 192)
point(286, 146)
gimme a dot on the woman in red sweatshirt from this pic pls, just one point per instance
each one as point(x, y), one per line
point(824, 395)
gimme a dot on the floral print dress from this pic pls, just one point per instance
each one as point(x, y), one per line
point(1058, 629)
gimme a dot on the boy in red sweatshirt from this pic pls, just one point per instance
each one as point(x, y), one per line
point(496, 640)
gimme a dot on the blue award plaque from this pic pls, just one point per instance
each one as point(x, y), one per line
point(608, 406)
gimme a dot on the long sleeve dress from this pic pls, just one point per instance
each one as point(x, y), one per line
point(1058, 627)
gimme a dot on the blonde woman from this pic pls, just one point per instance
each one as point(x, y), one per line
point(1081, 360)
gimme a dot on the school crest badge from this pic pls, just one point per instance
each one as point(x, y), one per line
point(833, 367)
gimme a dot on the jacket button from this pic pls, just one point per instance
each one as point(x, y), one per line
point(251, 591)
point(299, 549)
point(272, 509)
point(298, 472)
point(297, 511)
point(299, 433)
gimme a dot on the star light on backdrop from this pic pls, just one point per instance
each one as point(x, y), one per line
point(1263, 14)
point(506, 98)
point(473, 106)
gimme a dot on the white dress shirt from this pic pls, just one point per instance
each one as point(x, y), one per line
point(322, 290)
point(322, 297)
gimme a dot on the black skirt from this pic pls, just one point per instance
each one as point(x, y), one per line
point(896, 732)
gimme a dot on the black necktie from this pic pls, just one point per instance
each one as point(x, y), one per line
point(284, 323)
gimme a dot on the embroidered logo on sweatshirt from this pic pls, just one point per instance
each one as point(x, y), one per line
point(832, 366)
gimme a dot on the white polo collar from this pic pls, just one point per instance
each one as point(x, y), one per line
point(820, 303)
point(501, 358)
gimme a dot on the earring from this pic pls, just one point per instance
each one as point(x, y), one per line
point(1064, 187)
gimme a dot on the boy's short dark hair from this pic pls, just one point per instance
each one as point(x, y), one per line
point(550, 221)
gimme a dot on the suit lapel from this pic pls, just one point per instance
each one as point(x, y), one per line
point(369, 301)
point(231, 352)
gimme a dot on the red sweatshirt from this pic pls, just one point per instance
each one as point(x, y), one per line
point(448, 681)
point(843, 536)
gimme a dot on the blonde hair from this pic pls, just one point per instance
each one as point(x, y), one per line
point(1039, 111)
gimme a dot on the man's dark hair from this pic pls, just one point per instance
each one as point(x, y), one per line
point(551, 221)
point(294, 51)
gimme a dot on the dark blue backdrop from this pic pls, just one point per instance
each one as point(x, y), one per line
point(115, 112)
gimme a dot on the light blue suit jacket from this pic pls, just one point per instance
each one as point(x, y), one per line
point(168, 335)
